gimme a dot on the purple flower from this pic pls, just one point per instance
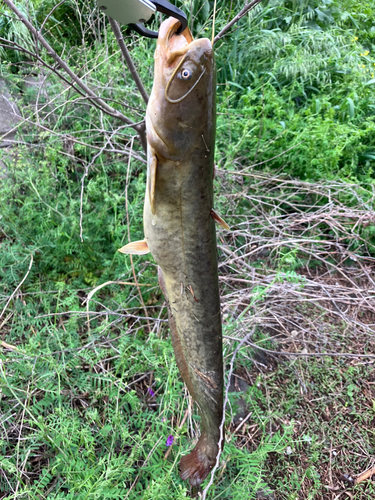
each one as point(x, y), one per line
point(169, 441)
point(151, 392)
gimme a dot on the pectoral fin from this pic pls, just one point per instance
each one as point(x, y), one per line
point(135, 248)
point(219, 220)
point(153, 164)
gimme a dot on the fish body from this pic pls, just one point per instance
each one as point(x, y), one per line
point(179, 228)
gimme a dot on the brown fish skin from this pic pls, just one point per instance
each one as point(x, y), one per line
point(181, 232)
point(179, 229)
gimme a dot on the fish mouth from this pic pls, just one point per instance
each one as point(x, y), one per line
point(173, 32)
point(173, 42)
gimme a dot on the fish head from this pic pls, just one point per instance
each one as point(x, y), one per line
point(182, 104)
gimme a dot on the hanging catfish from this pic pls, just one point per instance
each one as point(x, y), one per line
point(179, 224)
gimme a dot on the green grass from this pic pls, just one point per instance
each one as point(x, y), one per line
point(330, 407)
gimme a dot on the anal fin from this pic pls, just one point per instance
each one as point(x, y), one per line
point(216, 217)
point(135, 248)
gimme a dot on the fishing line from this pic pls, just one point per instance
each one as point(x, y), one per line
point(173, 101)
point(213, 25)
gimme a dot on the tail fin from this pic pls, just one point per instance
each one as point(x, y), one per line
point(198, 464)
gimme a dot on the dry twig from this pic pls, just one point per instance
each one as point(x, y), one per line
point(235, 20)
point(365, 475)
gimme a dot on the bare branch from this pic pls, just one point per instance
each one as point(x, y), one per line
point(15, 46)
point(242, 13)
point(129, 62)
point(326, 283)
point(92, 97)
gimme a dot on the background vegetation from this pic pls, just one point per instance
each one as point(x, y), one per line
point(89, 389)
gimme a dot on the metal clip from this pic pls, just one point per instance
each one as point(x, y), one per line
point(136, 12)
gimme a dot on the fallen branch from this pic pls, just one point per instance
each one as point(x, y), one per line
point(8, 346)
point(365, 475)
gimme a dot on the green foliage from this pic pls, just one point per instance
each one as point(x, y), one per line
point(12, 29)
point(68, 23)
point(331, 136)
point(92, 452)
point(304, 89)
point(47, 196)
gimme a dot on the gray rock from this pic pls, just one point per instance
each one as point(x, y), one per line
point(36, 89)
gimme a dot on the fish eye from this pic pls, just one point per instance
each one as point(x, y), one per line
point(186, 74)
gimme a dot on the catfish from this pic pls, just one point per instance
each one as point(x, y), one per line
point(179, 225)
